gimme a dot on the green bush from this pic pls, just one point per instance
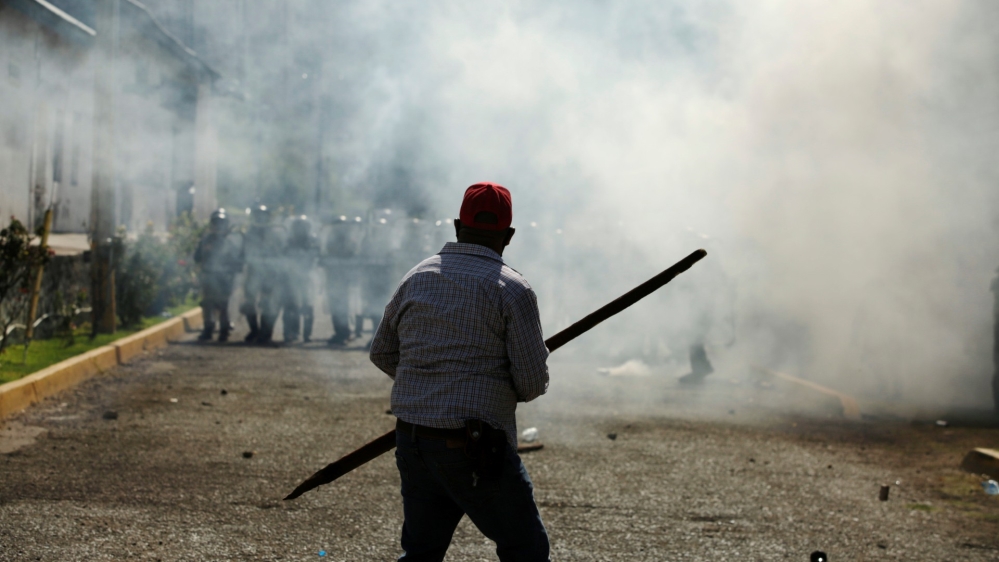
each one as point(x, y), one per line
point(154, 273)
point(180, 279)
point(136, 278)
point(19, 262)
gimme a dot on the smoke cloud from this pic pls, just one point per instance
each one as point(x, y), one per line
point(834, 159)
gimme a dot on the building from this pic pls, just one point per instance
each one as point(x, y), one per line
point(165, 144)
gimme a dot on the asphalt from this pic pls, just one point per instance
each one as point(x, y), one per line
point(149, 462)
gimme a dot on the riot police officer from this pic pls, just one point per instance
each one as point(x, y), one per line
point(300, 257)
point(377, 275)
point(416, 245)
point(340, 264)
point(220, 260)
point(263, 244)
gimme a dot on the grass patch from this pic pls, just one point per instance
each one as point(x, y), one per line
point(984, 516)
point(921, 507)
point(959, 486)
point(963, 492)
point(42, 353)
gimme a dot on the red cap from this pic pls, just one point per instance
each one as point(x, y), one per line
point(490, 198)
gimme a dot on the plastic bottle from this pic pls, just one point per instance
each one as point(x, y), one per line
point(991, 487)
point(529, 435)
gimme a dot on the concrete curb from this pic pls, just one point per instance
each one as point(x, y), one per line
point(18, 395)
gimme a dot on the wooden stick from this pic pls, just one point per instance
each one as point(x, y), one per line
point(386, 443)
point(29, 330)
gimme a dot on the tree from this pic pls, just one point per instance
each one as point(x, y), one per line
point(20, 258)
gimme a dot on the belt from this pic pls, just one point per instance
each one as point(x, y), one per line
point(431, 432)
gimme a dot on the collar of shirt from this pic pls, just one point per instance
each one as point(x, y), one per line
point(470, 249)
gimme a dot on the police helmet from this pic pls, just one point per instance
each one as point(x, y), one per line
point(301, 227)
point(381, 217)
point(260, 214)
point(219, 218)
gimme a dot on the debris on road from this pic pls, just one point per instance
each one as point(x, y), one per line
point(18, 436)
point(173, 400)
point(612, 436)
point(941, 423)
point(247, 454)
point(224, 392)
point(991, 487)
point(883, 494)
point(110, 415)
point(630, 368)
point(529, 435)
point(982, 461)
point(206, 403)
point(528, 447)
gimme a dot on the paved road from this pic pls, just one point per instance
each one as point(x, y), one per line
point(707, 473)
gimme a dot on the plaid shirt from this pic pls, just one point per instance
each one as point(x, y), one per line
point(461, 337)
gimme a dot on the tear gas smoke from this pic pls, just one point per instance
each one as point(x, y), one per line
point(835, 159)
point(821, 153)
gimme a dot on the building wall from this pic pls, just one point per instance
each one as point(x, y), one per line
point(17, 88)
point(166, 155)
point(45, 119)
point(205, 154)
point(63, 134)
point(152, 107)
point(164, 132)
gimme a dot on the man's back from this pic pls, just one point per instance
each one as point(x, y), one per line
point(462, 339)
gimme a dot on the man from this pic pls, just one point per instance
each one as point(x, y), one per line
point(462, 340)
point(220, 261)
point(300, 257)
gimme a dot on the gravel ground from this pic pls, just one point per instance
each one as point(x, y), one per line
point(711, 472)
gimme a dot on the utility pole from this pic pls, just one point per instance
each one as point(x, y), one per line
point(318, 111)
point(102, 206)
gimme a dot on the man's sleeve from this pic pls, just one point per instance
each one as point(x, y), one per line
point(385, 343)
point(525, 346)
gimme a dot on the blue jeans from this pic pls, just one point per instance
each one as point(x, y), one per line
point(438, 487)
